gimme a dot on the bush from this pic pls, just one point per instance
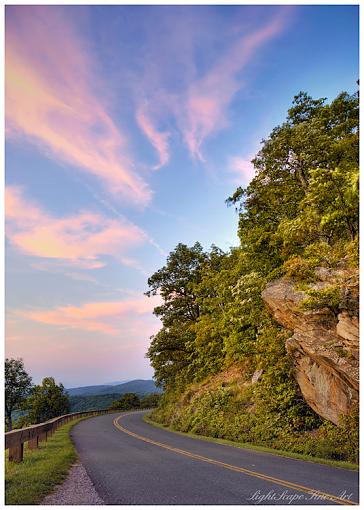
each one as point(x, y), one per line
point(126, 402)
point(326, 298)
point(299, 269)
point(150, 400)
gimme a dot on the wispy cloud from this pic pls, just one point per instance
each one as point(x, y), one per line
point(208, 98)
point(79, 240)
point(54, 267)
point(243, 169)
point(51, 100)
point(159, 139)
point(77, 357)
point(201, 95)
point(110, 208)
point(101, 317)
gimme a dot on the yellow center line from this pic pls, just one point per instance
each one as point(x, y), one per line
point(255, 474)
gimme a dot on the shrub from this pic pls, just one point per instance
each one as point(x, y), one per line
point(299, 269)
point(326, 298)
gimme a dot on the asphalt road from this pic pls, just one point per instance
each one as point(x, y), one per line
point(131, 462)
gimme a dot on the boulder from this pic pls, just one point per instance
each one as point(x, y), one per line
point(324, 345)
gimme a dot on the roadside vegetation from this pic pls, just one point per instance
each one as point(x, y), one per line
point(28, 482)
point(29, 404)
point(130, 401)
point(298, 213)
point(18, 386)
point(283, 453)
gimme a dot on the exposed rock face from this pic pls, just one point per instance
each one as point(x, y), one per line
point(324, 345)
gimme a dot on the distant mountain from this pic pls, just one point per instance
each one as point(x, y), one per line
point(140, 386)
point(114, 383)
point(89, 390)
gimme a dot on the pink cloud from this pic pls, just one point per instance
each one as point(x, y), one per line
point(243, 169)
point(205, 109)
point(101, 317)
point(51, 100)
point(82, 357)
point(200, 102)
point(78, 240)
point(159, 139)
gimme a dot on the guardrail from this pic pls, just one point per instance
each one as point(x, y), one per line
point(14, 440)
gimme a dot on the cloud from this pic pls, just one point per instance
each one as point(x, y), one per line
point(208, 98)
point(102, 317)
point(209, 73)
point(53, 99)
point(80, 240)
point(243, 169)
point(159, 139)
point(78, 357)
point(55, 266)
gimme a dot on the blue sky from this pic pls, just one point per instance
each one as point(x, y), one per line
point(127, 128)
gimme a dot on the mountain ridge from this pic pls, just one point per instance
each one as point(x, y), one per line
point(141, 386)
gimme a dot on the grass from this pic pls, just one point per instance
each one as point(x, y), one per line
point(264, 449)
point(28, 482)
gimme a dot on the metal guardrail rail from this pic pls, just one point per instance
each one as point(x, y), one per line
point(14, 440)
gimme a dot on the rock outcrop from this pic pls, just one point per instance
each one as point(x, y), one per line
point(325, 344)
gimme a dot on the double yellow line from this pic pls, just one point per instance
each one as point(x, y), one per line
point(290, 485)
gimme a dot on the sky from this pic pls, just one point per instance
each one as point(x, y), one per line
point(127, 127)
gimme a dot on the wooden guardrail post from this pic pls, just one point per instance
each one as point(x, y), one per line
point(16, 453)
point(33, 443)
point(43, 436)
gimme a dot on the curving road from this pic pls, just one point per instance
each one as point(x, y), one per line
point(131, 462)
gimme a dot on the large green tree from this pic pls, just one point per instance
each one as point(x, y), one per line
point(306, 185)
point(18, 385)
point(172, 348)
point(48, 400)
point(174, 283)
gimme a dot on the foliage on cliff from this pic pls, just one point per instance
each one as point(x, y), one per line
point(300, 211)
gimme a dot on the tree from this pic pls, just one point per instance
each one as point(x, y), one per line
point(174, 283)
point(18, 385)
point(305, 187)
point(170, 352)
point(219, 274)
point(48, 400)
point(151, 400)
point(171, 349)
point(126, 402)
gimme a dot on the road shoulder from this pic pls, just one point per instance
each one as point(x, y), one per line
point(77, 489)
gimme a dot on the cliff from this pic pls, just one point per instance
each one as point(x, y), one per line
point(325, 342)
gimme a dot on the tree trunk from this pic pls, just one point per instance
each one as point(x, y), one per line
point(301, 176)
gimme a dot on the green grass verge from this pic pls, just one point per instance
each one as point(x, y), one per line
point(28, 482)
point(263, 449)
